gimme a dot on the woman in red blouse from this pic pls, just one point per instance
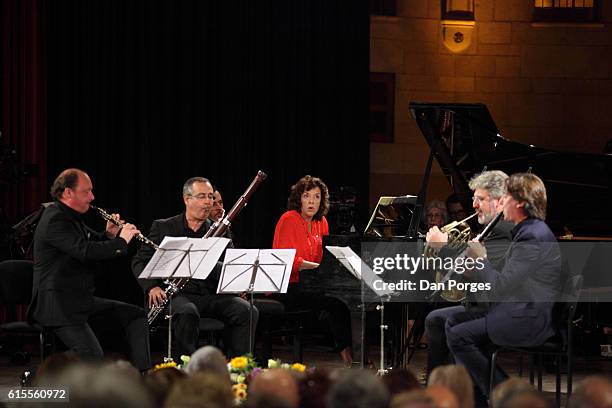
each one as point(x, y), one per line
point(302, 227)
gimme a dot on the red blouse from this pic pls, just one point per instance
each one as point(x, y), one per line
point(292, 232)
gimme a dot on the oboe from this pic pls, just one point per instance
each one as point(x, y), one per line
point(174, 285)
point(104, 214)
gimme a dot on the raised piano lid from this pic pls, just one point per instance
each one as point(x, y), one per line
point(391, 217)
point(466, 140)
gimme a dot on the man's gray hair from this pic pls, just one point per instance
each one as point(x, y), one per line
point(358, 389)
point(188, 186)
point(493, 181)
point(208, 359)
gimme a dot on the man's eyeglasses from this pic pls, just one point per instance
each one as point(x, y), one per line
point(201, 197)
point(479, 199)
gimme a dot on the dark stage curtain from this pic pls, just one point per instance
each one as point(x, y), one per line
point(144, 94)
point(23, 117)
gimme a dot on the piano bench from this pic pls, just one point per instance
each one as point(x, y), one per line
point(271, 313)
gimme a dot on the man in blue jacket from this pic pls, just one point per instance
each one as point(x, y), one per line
point(523, 292)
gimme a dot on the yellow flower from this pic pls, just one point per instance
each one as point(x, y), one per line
point(273, 363)
point(239, 362)
point(164, 365)
point(238, 387)
point(298, 367)
point(240, 394)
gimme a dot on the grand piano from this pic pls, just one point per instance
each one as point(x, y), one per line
point(464, 140)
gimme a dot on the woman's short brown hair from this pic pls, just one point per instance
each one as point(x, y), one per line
point(307, 183)
point(529, 189)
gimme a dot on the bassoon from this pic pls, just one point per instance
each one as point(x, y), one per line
point(175, 285)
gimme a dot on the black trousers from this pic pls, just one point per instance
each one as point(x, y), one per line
point(133, 319)
point(470, 345)
point(233, 311)
point(329, 309)
point(435, 327)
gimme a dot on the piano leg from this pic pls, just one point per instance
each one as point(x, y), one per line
point(358, 336)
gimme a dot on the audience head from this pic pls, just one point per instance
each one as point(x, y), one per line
point(457, 379)
point(442, 396)
point(400, 380)
point(435, 214)
point(314, 386)
point(505, 389)
point(303, 197)
point(412, 399)
point(266, 401)
point(455, 209)
point(53, 366)
point(95, 386)
point(208, 359)
point(524, 399)
point(358, 389)
point(592, 392)
point(160, 382)
point(123, 367)
point(201, 390)
point(275, 384)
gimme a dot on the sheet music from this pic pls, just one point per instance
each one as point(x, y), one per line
point(348, 258)
point(183, 257)
point(272, 275)
point(351, 261)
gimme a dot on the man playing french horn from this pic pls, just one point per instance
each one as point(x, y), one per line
point(489, 187)
point(198, 298)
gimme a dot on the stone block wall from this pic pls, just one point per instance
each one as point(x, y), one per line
point(545, 84)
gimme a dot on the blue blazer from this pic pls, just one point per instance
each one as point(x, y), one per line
point(526, 288)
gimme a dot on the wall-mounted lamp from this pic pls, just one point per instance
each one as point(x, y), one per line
point(457, 24)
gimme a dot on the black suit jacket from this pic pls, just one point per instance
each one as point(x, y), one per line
point(65, 253)
point(173, 227)
point(526, 288)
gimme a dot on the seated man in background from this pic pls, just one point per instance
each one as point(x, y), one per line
point(455, 209)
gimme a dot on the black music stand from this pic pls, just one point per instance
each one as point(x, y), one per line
point(183, 258)
point(252, 271)
point(351, 261)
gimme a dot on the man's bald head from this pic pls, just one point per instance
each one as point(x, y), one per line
point(442, 396)
point(592, 392)
point(278, 383)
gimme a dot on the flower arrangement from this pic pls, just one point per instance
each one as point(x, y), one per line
point(244, 369)
point(173, 364)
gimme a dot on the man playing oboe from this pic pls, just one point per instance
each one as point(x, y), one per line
point(65, 255)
